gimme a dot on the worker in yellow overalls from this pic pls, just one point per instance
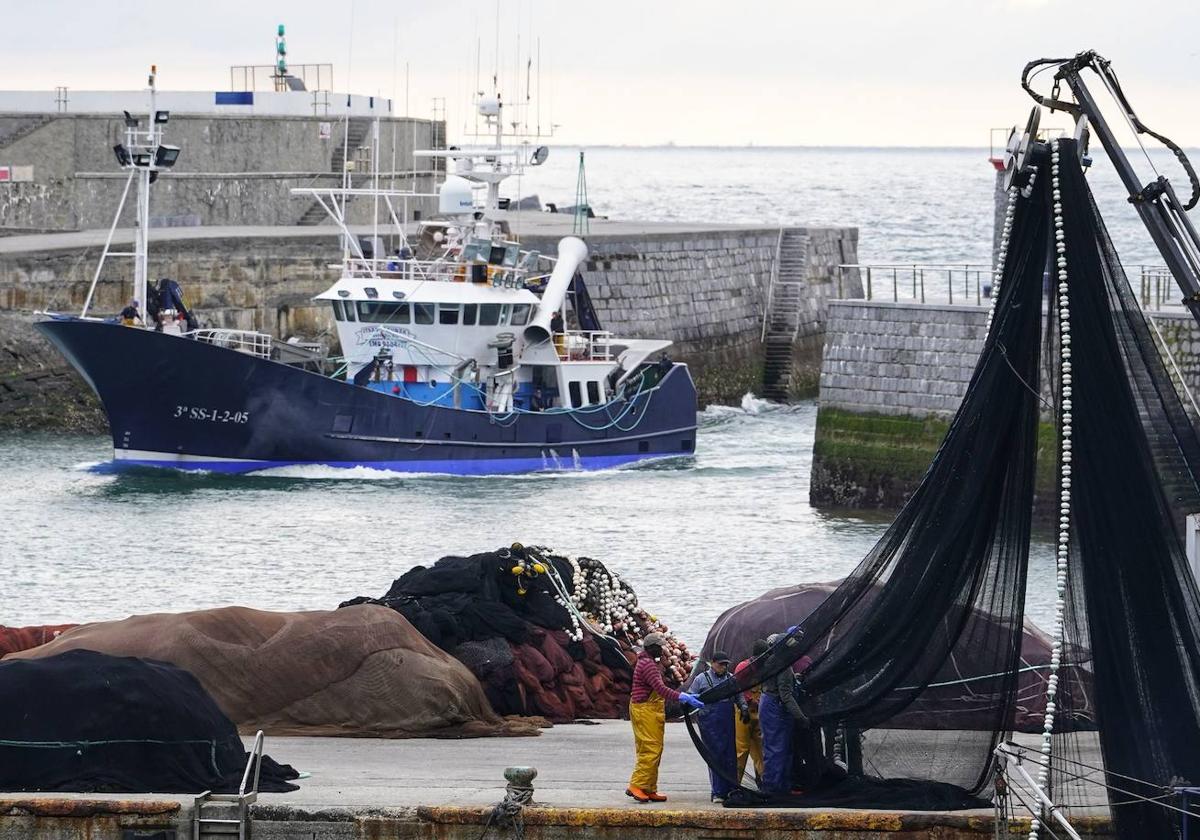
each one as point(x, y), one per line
point(747, 734)
point(647, 714)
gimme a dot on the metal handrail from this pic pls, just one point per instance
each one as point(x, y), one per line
point(598, 348)
point(247, 341)
point(771, 284)
point(965, 284)
point(253, 762)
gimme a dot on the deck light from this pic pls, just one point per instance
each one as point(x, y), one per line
point(130, 120)
point(162, 117)
point(122, 155)
point(142, 159)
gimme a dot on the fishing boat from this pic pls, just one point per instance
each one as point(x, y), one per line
point(462, 352)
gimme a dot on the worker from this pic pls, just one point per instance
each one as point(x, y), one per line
point(779, 714)
point(716, 725)
point(131, 315)
point(556, 331)
point(647, 714)
point(748, 734)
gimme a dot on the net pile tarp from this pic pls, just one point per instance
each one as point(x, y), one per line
point(13, 639)
point(951, 701)
point(1132, 600)
point(518, 635)
point(84, 721)
point(363, 671)
point(946, 580)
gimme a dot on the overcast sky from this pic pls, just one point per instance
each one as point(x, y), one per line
point(835, 72)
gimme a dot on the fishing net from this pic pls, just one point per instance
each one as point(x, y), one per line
point(944, 586)
point(84, 721)
point(1131, 598)
point(547, 635)
point(361, 672)
point(953, 702)
point(13, 639)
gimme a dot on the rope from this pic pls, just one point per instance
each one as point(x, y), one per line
point(508, 814)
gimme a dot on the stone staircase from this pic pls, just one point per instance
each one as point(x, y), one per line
point(781, 321)
point(357, 135)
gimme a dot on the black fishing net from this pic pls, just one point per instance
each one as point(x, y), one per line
point(946, 581)
point(84, 721)
point(1132, 600)
point(945, 584)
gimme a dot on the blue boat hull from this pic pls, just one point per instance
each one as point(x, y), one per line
point(184, 404)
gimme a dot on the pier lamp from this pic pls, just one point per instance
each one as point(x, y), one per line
point(165, 156)
point(142, 160)
point(130, 120)
point(162, 117)
point(122, 155)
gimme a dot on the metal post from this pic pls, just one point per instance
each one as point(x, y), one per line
point(895, 287)
point(868, 282)
point(922, 282)
point(950, 284)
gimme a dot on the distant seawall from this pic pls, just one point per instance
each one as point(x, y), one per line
point(703, 288)
point(892, 377)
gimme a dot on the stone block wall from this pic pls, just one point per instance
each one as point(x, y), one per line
point(899, 359)
point(893, 376)
point(231, 171)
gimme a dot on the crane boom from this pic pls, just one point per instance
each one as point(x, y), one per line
point(1156, 202)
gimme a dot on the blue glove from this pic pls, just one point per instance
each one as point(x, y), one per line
point(691, 701)
point(793, 629)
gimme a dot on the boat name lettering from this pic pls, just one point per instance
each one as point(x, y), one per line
point(374, 337)
point(211, 415)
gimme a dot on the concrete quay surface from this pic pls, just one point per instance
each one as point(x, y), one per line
point(424, 788)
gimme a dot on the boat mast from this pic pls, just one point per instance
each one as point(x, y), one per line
point(141, 248)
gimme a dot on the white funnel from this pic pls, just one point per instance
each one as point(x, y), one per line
point(571, 253)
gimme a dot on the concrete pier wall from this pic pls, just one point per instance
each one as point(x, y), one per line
point(233, 170)
point(893, 376)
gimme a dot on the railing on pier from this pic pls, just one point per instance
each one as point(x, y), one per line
point(245, 341)
point(970, 284)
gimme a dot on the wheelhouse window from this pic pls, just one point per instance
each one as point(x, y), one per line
point(489, 314)
point(593, 392)
point(448, 313)
point(520, 314)
point(470, 313)
point(576, 395)
point(504, 313)
point(423, 313)
point(383, 313)
point(371, 291)
point(336, 305)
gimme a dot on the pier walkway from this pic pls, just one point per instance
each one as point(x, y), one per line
point(359, 787)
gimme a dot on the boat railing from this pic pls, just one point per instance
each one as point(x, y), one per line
point(244, 341)
point(440, 270)
point(583, 345)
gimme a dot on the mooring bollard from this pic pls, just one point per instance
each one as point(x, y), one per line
point(520, 781)
point(519, 793)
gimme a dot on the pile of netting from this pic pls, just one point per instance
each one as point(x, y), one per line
point(547, 635)
point(13, 639)
point(84, 721)
point(362, 672)
point(945, 584)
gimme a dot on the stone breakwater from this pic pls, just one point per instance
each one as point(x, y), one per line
point(892, 377)
point(704, 288)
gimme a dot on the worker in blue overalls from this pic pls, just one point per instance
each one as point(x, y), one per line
point(716, 725)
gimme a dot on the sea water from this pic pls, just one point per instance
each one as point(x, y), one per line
point(694, 537)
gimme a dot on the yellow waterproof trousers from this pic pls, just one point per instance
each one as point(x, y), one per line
point(649, 721)
point(749, 743)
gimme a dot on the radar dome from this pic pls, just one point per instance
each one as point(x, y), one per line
point(454, 197)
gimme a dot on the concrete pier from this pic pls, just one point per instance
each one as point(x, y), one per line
point(892, 377)
point(369, 788)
